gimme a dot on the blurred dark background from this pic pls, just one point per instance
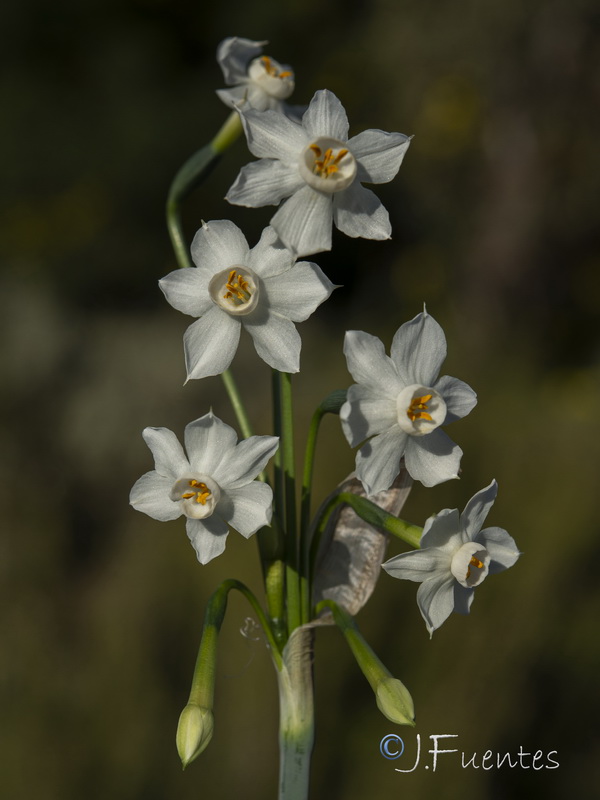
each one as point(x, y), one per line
point(494, 215)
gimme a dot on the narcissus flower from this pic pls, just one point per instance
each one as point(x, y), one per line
point(455, 557)
point(400, 401)
point(321, 171)
point(256, 79)
point(213, 485)
point(232, 286)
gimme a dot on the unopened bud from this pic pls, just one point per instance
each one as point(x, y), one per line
point(394, 701)
point(194, 732)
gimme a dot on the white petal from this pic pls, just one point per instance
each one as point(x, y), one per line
point(433, 458)
point(169, 458)
point(208, 537)
point(419, 349)
point(443, 531)
point(368, 363)
point(210, 343)
point(245, 462)
point(263, 183)
point(259, 99)
point(326, 116)
point(378, 461)
point(275, 338)
point(270, 256)
point(477, 509)
point(236, 96)
point(435, 598)
point(460, 399)
point(248, 508)
point(501, 547)
point(187, 290)
point(366, 413)
point(418, 565)
point(234, 54)
point(208, 440)
point(359, 212)
point(379, 154)
point(150, 494)
point(271, 134)
point(463, 599)
point(303, 222)
point(217, 245)
point(297, 293)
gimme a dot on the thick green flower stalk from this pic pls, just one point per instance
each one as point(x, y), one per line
point(318, 568)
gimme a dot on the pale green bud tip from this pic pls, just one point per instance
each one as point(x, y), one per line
point(394, 702)
point(194, 732)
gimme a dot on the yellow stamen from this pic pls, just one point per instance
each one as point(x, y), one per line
point(238, 289)
point(272, 70)
point(328, 165)
point(201, 495)
point(266, 61)
point(418, 408)
point(476, 563)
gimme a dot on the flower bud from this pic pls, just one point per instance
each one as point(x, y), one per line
point(194, 732)
point(394, 701)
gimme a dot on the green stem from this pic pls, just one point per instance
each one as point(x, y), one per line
point(270, 538)
point(289, 476)
point(330, 405)
point(369, 663)
point(279, 483)
point(203, 682)
point(238, 407)
point(309, 460)
point(393, 698)
point(275, 578)
point(193, 172)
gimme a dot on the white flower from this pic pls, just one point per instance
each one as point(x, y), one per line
point(320, 170)
point(232, 286)
point(213, 486)
point(400, 401)
point(455, 557)
point(258, 80)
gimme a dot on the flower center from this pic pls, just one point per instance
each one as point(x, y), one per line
point(199, 495)
point(327, 165)
point(235, 290)
point(420, 409)
point(200, 492)
point(470, 564)
point(269, 75)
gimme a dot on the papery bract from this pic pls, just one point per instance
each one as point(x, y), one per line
point(455, 557)
point(320, 171)
point(213, 485)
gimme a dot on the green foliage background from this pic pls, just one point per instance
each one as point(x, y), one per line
point(495, 228)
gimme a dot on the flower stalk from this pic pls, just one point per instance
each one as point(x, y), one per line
point(193, 172)
point(286, 420)
point(393, 698)
point(330, 405)
point(196, 722)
